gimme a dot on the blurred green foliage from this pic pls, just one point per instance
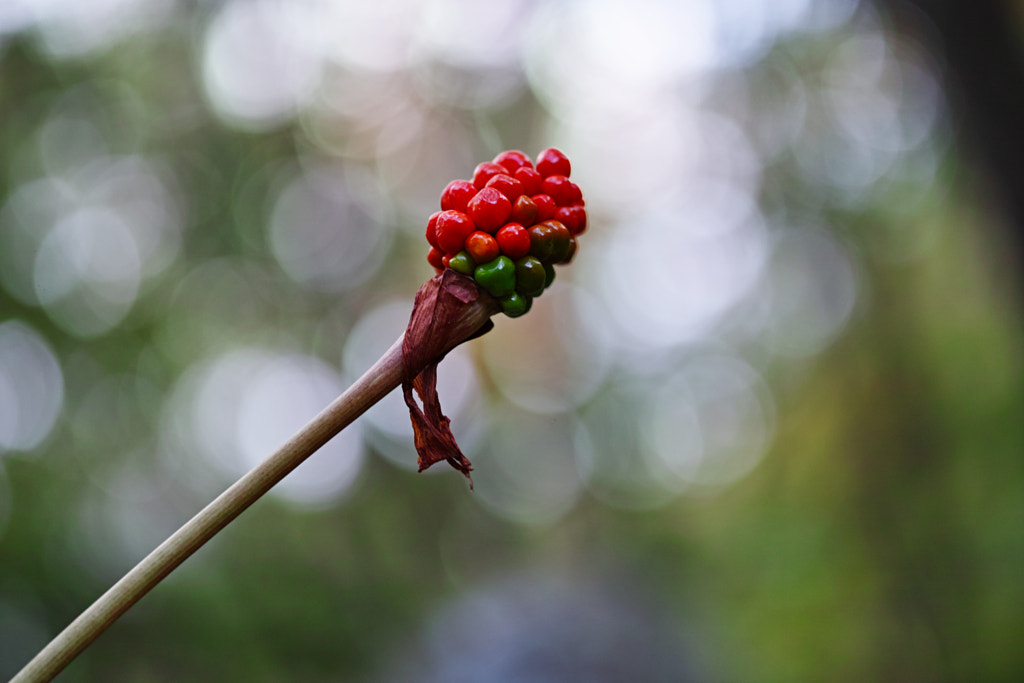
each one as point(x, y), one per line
point(793, 449)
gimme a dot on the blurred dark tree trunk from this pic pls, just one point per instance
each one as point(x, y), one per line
point(980, 45)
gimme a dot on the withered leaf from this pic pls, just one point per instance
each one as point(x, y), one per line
point(438, 323)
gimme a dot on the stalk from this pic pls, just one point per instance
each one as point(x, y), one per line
point(385, 375)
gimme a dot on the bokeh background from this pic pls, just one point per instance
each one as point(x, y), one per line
point(768, 427)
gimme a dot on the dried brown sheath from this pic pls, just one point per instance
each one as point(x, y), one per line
point(436, 326)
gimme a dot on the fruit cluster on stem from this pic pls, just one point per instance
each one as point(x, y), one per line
point(509, 226)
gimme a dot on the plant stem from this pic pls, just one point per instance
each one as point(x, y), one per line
point(377, 382)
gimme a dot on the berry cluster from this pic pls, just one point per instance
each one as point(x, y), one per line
point(509, 226)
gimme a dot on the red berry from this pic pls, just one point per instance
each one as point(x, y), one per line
point(489, 209)
point(482, 247)
point(511, 211)
point(485, 171)
point(431, 227)
point(513, 240)
point(524, 211)
point(513, 159)
point(530, 179)
point(457, 195)
point(453, 227)
point(552, 162)
point(575, 194)
point(562, 190)
point(434, 258)
point(574, 217)
point(546, 206)
point(507, 185)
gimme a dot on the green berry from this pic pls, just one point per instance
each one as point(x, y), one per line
point(561, 242)
point(498, 277)
point(515, 305)
point(530, 276)
point(550, 272)
point(572, 250)
point(462, 263)
point(541, 241)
